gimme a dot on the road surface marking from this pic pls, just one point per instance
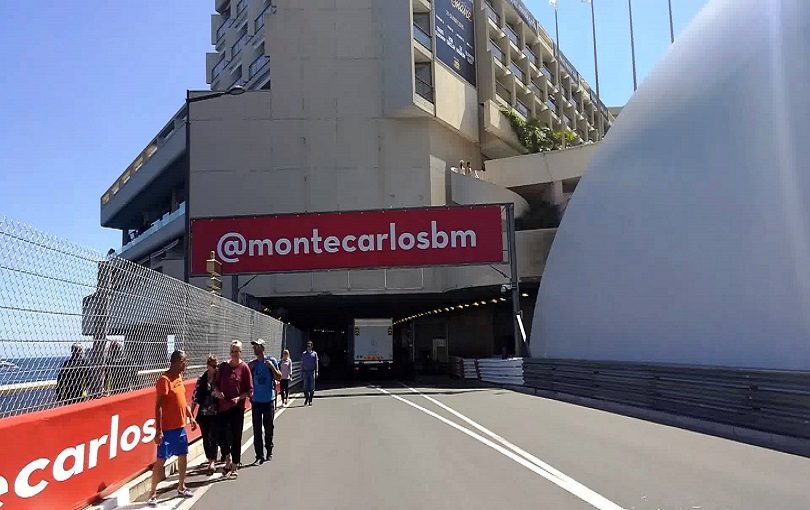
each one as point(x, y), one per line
point(523, 453)
point(199, 493)
point(565, 482)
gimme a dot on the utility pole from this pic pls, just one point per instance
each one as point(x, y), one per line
point(514, 283)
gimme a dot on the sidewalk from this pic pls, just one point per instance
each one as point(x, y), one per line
point(133, 495)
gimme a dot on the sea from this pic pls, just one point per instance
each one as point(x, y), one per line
point(28, 370)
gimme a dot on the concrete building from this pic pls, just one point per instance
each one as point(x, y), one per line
point(371, 106)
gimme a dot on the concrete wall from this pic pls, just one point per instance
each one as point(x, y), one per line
point(541, 167)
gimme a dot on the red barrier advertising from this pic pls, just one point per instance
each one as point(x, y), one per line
point(64, 457)
point(355, 239)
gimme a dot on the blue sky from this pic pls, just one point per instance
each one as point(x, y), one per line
point(87, 83)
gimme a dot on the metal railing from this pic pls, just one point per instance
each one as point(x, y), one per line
point(422, 37)
point(76, 325)
point(768, 400)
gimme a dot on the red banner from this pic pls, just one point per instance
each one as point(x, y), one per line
point(357, 239)
point(64, 457)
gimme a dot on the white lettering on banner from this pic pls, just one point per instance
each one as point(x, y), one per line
point(22, 485)
point(114, 436)
point(331, 244)
point(149, 431)
point(3, 488)
point(95, 444)
point(27, 484)
point(130, 438)
point(233, 245)
point(60, 474)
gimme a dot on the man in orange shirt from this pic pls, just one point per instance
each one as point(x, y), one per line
point(171, 414)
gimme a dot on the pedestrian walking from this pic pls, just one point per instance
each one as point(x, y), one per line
point(309, 372)
point(171, 415)
point(205, 405)
point(285, 367)
point(71, 383)
point(233, 386)
point(265, 373)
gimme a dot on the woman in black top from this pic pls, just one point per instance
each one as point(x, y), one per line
point(207, 414)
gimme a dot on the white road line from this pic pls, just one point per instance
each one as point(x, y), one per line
point(564, 482)
point(186, 504)
point(523, 453)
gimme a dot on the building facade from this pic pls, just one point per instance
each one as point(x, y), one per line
point(366, 105)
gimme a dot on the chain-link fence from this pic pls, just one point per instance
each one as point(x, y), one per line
point(76, 325)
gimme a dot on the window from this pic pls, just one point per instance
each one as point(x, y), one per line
point(240, 43)
point(504, 93)
point(496, 51)
point(421, 30)
point(519, 73)
point(511, 33)
point(423, 74)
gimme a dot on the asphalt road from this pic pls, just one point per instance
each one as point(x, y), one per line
point(372, 448)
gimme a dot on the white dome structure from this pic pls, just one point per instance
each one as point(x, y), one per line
point(688, 238)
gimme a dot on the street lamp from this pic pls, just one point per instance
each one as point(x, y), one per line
point(235, 90)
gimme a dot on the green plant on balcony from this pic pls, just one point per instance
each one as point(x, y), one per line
point(535, 136)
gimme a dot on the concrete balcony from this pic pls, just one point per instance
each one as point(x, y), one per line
point(498, 138)
point(469, 190)
point(170, 227)
point(530, 174)
point(155, 172)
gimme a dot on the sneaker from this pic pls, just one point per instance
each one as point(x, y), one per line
point(259, 461)
point(185, 493)
point(152, 502)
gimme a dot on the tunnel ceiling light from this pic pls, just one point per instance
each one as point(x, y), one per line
point(483, 302)
point(503, 299)
point(475, 304)
point(525, 294)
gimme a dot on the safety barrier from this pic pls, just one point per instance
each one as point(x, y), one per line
point(766, 400)
point(463, 368)
point(496, 370)
point(501, 371)
point(83, 338)
point(295, 375)
point(76, 325)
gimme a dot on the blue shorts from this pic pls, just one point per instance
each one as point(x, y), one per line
point(174, 442)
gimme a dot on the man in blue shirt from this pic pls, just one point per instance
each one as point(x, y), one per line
point(309, 372)
point(265, 374)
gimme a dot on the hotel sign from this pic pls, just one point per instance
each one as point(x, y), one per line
point(357, 239)
point(455, 36)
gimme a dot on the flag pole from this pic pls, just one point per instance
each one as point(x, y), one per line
point(595, 57)
point(671, 28)
point(632, 44)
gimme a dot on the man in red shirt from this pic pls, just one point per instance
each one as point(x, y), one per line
point(171, 414)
